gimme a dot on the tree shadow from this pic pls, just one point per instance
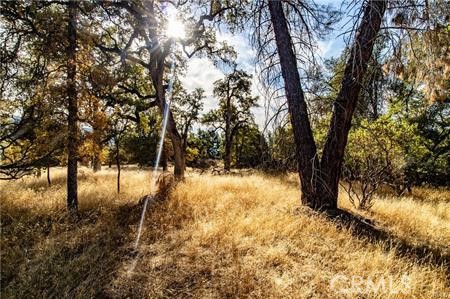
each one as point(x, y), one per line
point(362, 227)
point(53, 256)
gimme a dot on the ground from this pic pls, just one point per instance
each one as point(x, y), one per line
point(214, 237)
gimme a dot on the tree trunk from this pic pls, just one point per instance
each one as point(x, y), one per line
point(49, 181)
point(320, 179)
point(227, 156)
point(72, 144)
point(179, 154)
point(110, 157)
point(347, 99)
point(97, 164)
point(164, 158)
point(306, 151)
point(118, 165)
point(228, 137)
point(157, 67)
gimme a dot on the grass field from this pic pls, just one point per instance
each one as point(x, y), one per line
point(215, 237)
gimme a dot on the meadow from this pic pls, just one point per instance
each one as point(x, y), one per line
point(215, 236)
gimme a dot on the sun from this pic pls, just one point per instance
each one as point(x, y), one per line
point(175, 28)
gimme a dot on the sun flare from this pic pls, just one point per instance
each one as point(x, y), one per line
point(175, 28)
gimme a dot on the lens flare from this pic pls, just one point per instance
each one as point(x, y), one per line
point(175, 28)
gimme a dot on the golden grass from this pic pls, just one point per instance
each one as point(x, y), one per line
point(216, 236)
point(422, 217)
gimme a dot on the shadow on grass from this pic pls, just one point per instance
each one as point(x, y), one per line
point(49, 256)
point(365, 228)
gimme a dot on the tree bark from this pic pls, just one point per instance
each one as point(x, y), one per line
point(110, 159)
point(227, 156)
point(306, 151)
point(72, 121)
point(49, 181)
point(347, 99)
point(97, 164)
point(320, 178)
point(164, 158)
point(179, 154)
point(118, 165)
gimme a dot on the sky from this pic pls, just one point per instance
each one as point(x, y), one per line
point(202, 73)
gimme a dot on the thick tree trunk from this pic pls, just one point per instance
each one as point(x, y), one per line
point(320, 179)
point(72, 144)
point(229, 141)
point(157, 67)
point(178, 152)
point(227, 156)
point(347, 99)
point(164, 158)
point(308, 162)
point(97, 161)
point(97, 164)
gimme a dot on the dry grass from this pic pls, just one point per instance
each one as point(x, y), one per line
point(216, 236)
point(421, 218)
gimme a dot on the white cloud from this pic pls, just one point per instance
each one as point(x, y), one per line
point(324, 47)
point(331, 47)
point(201, 72)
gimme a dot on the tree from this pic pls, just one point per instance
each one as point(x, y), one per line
point(420, 54)
point(43, 66)
point(118, 128)
point(320, 177)
point(72, 119)
point(282, 149)
point(146, 22)
point(251, 149)
point(32, 122)
point(207, 145)
point(187, 108)
point(430, 163)
point(376, 156)
point(233, 114)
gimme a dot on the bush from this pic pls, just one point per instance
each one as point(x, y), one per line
point(377, 154)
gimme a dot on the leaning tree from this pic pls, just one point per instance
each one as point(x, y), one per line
point(319, 176)
point(286, 38)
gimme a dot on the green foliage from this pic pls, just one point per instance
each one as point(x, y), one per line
point(187, 107)
point(204, 144)
point(235, 102)
point(398, 151)
point(234, 111)
point(431, 164)
point(282, 149)
point(251, 149)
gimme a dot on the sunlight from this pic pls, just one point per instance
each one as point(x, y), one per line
point(175, 28)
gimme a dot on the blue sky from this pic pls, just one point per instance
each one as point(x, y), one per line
point(202, 73)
